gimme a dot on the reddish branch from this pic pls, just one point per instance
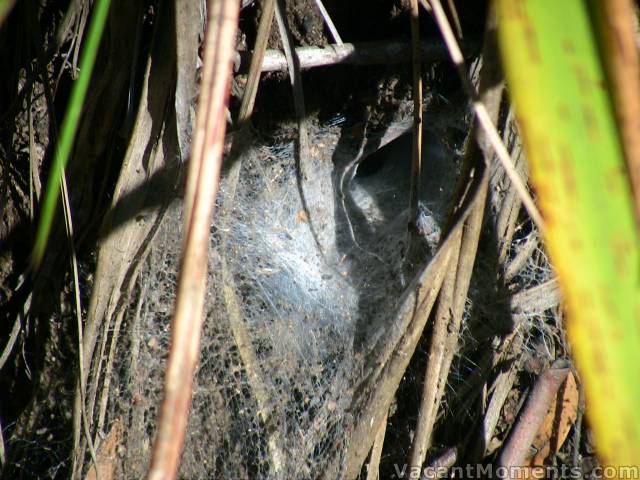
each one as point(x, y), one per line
point(544, 393)
point(202, 186)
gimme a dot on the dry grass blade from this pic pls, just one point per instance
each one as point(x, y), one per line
point(82, 385)
point(500, 388)
point(108, 370)
point(454, 291)
point(35, 187)
point(435, 374)
point(391, 357)
point(152, 154)
point(202, 185)
point(187, 16)
point(456, 18)
point(482, 114)
point(11, 341)
point(327, 20)
point(248, 101)
point(303, 159)
point(388, 361)
point(509, 208)
point(416, 159)
point(448, 321)
point(373, 469)
point(257, 57)
point(293, 64)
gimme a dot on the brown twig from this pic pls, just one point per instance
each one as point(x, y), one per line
point(82, 386)
point(438, 467)
point(202, 185)
point(293, 64)
point(544, 392)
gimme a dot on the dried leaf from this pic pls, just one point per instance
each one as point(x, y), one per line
point(556, 425)
point(106, 454)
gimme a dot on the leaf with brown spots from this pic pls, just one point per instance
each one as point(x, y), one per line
point(566, 72)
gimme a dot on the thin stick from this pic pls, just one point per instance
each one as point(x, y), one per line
point(202, 185)
point(451, 303)
point(452, 299)
point(13, 336)
point(293, 64)
point(482, 115)
point(367, 53)
point(302, 151)
point(388, 359)
point(246, 107)
point(262, 37)
point(416, 159)
point(439, 465)
point(544, 392)
point(76, 290)
point(456, 18)
point(434, 373)
point(3, 451)
point(327, 20)
point(373, 469)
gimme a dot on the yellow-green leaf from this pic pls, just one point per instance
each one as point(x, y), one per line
point(555, 74)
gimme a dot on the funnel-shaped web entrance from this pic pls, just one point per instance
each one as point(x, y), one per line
point(299, 291)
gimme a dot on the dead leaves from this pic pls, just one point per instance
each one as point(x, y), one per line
point(106, 454)
point(558, 422)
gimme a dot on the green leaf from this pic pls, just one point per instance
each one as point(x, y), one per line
point(69, 129)
point(556, 78)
